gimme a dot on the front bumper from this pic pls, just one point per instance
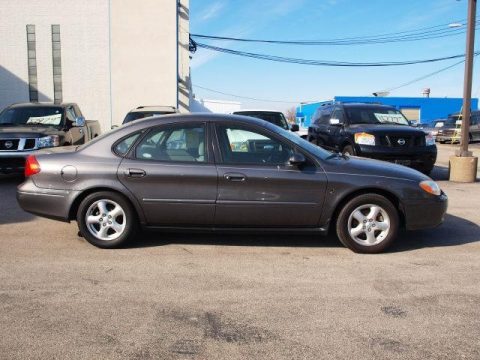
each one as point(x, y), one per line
point(448, 138)
point(425, 213)
point(414, 156)
point(49, 203)
point(13, 162)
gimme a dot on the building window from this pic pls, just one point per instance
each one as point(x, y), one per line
point(32, 63)
point(57, 65)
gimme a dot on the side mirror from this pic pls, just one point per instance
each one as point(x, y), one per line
point(295, 128)
point(297, 159)
point(335, 122)
point(79, 121)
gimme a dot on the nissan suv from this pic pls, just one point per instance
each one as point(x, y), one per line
point(374, 131)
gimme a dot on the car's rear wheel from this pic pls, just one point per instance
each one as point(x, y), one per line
point(106, 219)
point(368, 223)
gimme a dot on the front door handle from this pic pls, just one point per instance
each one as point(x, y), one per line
point(135, 173)
point(235, 177)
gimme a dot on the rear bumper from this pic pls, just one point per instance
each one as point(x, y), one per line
point(49, 203)
point(421, 156)
point(425, 214)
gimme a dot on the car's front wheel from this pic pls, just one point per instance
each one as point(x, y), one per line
point(106, 219)
point(368, 223)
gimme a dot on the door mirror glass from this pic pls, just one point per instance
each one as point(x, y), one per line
point(297, 159)
point(79, 121)
point(334, 121)
point(294, 128)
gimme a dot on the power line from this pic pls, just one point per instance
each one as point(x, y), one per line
point(245, 97)
point(431, 32)
point(324, 62)
point(425, 76)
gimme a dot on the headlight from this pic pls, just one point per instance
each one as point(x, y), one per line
point(429, 139)
point(430, 187)
point(365, 139)
point(48, 141)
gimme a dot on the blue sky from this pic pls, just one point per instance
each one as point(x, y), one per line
point(323, 19)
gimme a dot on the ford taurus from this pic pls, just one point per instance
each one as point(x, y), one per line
point(223, 172)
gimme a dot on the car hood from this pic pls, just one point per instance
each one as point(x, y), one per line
point(354, 165)
point(385, 129)
point(28, 131)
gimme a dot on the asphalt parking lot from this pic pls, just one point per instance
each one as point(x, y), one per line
point(181, 296)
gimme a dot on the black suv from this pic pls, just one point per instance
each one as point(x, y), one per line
point(373, 131)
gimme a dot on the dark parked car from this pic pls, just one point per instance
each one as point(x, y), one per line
point(435, 126)
point(453, 133)
point(225, 172)
point(25, 128)
point(374, 131)
point(148, 111)
point(273, 117)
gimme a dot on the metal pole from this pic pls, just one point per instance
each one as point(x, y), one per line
point(467, 85)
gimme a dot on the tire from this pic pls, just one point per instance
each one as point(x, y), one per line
point(316, 141)
point(368, 240)
point(426, 168)
point(115, 227)
point(348, 150)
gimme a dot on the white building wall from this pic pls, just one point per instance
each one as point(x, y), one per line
point(144, 48)
point(116, 54)
point(84, 43)
point(220, 106)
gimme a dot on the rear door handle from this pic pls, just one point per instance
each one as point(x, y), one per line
point(235, 177)
point(135, 173)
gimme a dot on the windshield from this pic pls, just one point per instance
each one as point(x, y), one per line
point(276, 118)
point(31, 115)
point(445, 123)
point(375, 115)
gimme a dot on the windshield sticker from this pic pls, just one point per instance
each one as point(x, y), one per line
point(390, 118)
point(46, 120)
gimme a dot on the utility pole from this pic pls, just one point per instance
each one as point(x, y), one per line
point(467, 84)
point(463, 166)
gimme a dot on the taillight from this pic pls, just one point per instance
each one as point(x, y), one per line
point(32, 166)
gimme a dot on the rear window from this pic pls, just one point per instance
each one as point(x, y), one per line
point(276, 118)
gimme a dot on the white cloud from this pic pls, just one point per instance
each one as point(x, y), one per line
point(212, 11)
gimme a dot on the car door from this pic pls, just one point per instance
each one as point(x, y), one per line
point(172, 175)
point(336, 133)
point(256, 185)
point(75, 135)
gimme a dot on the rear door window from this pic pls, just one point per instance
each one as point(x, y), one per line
point(173, 144)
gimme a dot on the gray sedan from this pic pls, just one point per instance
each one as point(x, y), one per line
point(216, 172)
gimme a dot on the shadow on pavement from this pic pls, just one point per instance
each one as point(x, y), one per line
point(150, 239)
point(10, 211)
point(455, 231)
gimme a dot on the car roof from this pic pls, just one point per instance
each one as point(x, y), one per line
point(256, 110)
point(196, 117)
point(35, 104)
point(169, 109)
point(366, 105)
